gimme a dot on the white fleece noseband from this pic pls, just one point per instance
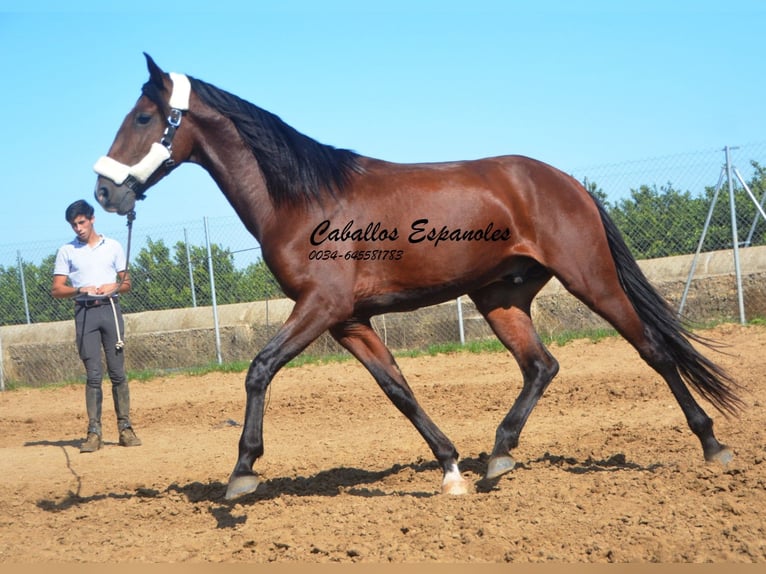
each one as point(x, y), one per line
point(159, 153)
point(119, 172)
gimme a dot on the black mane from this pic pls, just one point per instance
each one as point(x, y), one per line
point(296, 167)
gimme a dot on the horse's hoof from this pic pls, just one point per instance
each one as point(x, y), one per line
point(498, 466)
point(456, 487)
point(722, 457)
point(241, 485)
point(453, 482)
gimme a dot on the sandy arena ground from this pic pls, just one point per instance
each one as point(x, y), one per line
point(609, 471)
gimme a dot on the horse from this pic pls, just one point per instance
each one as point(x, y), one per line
point(349, 237)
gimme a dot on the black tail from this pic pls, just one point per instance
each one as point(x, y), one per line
point(709, 379)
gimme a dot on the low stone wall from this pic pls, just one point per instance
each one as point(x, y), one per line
point(712, 293)
point(182, 338)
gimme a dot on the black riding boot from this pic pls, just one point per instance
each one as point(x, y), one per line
point(93, 400)
point(121, 396)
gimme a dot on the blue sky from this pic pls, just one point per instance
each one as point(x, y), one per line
point(571, 83)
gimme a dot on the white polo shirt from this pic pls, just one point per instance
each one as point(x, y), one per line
point(85, 265)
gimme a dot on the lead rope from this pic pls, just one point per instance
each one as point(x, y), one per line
point(120, 344)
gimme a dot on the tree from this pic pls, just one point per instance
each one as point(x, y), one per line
point(658, 222)
point(37, 280)
point(156, 281)
point(751, 227)
point(225, 274)
point(11, 297)
point(596, 192)
point(43, 307)
point(161, 280)
point(258, 283)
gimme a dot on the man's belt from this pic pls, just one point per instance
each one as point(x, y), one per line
point(88, 303)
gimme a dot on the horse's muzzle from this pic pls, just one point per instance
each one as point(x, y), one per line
point(114, 198)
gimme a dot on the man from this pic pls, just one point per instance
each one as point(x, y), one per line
point(96, 269)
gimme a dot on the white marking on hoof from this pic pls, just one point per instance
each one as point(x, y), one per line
point(498, 466)
point(723, 457)
point(241, 485)
point(453, 482)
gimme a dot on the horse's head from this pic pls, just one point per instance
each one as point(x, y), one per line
point(147, 146)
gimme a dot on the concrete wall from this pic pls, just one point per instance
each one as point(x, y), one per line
point(45, 352)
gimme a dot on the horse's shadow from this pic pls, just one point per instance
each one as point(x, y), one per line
point(333, 482)
point(336, 481)
point(612, 463)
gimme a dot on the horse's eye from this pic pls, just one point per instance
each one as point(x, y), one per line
point(143, 119)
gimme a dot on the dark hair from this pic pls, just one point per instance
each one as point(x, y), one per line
point(79, 207)
point(296, 168)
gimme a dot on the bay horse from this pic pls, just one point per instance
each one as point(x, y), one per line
point(349, 237)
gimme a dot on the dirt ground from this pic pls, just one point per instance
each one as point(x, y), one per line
point(608, 470)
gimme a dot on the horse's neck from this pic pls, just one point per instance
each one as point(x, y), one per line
point(234, 169)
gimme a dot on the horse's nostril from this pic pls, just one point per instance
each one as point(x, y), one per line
point(103, 193)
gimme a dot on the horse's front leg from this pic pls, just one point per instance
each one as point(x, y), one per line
point(306, 323)
point(360, 339)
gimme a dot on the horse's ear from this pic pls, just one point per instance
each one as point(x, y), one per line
point(156, 75)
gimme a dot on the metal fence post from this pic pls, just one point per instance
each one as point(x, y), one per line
point(191, 274)
point(23, 286)
point(212, 293)
point(735, 238)
point(2, 366)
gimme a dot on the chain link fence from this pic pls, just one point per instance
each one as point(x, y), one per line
point(664, 206)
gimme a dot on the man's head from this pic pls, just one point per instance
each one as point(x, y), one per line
point(80, 217)
point(79, 207)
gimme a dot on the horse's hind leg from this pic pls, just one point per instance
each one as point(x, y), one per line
point(620, 313)
point(506, 309)
point(360, 339)
point(661, 351)
point(697, 419)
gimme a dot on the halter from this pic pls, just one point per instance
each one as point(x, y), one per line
point(134, 177)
